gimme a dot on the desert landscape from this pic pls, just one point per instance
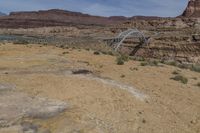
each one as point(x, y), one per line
point(60, 72)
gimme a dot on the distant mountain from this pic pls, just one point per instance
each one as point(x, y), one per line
point(193, 9)
point(57, 17)
point(54, 17)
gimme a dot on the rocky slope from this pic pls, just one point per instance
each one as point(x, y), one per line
point(193, 9)
point(170, 39)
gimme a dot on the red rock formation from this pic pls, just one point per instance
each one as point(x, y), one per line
point(54, 17)
point(193, 9)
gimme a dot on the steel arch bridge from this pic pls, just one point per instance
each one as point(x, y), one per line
point(117, 41)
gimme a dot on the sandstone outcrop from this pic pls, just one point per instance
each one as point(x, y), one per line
point(193, 9)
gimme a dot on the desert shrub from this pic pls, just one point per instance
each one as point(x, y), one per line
point(175, 72)
point(143, 63)
point(81, 71)
point(122, 76)
point(195, 78)
point(134, 69)
point(137, 58)
point(44, 44)
point(104, 52)
point(195, 68)
point(96, 53)
point(149, 63)
point(172, 63)
point(124, 57)
point(154, 63)
point(21, 42)
point(192, 67)
point(119, 61)
point(198, 84)
point(183, 66)
point(65, 53)
point(110, 53)
point(87, 49)
point(180, 78)
point(141, 59)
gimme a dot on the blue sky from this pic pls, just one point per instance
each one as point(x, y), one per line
point(164, 8)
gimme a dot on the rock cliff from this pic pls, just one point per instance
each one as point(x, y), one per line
point(193, 9)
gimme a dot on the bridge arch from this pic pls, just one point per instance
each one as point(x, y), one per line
point(130, 33)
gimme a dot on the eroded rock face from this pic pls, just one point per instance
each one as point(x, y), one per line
point(193, 9)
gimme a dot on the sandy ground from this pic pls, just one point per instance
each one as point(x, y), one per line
point(144, 100)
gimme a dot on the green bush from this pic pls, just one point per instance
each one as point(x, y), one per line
point(154, 63)
point(110, 53)
point(183, 66)
point(195, 68)
point(149, 63)
point(172, 63)
point(137, 58)
point(180, 78)
point(192, 67)
point(120, 61)
point(125, 58)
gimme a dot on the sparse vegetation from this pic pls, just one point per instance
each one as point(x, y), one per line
point(171, 63)
point(149, 63)
point(195, 78)
point(198, 84)
point(87, 49)
point(134, 69)
point(143, 63)
point(110, 53)
point(21, 42)
point(137, 58)
point(176, 72)
point(195, 68)
point(65, 53)
point(192, 67)
point(180, 78)
point(122, 76)
point(122, 59)
point(96, 53)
